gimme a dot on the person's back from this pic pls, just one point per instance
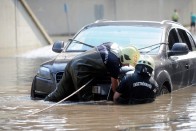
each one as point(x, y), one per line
point(139, 86)
point(193, 19)
point(137, 89)
point(175, 16)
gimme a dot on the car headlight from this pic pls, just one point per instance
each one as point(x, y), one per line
point(44, 72)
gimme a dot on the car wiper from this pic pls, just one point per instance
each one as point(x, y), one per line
point(152, 49)
point(156, 46)
point(151, 46)
point(79, 42)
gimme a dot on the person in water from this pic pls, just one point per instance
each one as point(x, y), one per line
point(138, 86)
point(107, 57)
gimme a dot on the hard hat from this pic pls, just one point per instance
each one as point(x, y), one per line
point(129, 55)
point(145, 64)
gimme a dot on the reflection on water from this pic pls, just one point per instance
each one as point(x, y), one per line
point(174, 111)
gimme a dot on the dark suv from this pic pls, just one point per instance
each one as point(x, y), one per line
point(170, 44)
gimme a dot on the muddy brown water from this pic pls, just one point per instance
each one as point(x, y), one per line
point(175, 111)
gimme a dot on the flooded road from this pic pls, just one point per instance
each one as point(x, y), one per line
point(175, 111)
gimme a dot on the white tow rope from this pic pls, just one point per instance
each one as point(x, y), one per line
point(62, 99)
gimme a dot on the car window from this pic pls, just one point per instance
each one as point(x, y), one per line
point(139, 36)
point(172, 38)
point(184, 37)
point(192, 41)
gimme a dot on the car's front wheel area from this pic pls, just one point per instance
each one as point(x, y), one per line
point(164, 90)
point(33, 94)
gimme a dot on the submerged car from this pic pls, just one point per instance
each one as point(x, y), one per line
point(169, 43)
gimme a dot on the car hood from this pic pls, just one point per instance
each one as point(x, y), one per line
point(59, 63)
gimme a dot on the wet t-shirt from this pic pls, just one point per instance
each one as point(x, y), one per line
point(111, 61)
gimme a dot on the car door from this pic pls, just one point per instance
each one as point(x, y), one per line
point(187, 65)
point(175, 62)
point(192, 60)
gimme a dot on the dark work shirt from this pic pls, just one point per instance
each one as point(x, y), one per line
point(135, 86)
point(111, 61)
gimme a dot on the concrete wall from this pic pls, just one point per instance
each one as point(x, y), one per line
point(17, 27)
point(61, 17)
point(7, 23)
point(59, 20)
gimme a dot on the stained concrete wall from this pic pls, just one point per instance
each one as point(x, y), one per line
point(68, 16)
point(17, 27)
point(60, 17)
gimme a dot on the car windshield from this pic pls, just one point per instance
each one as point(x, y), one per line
point(138, 36)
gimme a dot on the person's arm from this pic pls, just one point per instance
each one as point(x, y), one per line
point(119, 90)
point(156, 89)
point(114, 84)
point(116, 96)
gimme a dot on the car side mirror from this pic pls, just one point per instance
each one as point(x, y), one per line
point(178, 49)
point(58, 46)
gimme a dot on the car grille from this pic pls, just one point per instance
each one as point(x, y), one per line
point(59, 75)
point(100, 80)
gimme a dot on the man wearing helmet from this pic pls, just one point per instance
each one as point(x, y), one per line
point(138, 86)
point(107, 57)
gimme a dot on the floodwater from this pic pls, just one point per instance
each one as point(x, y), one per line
point(175, 111)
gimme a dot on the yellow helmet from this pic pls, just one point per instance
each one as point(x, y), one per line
point(129, 55)
point(147, 60)
point(145, 65)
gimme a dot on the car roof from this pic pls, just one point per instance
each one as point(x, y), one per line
point(158, 24)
